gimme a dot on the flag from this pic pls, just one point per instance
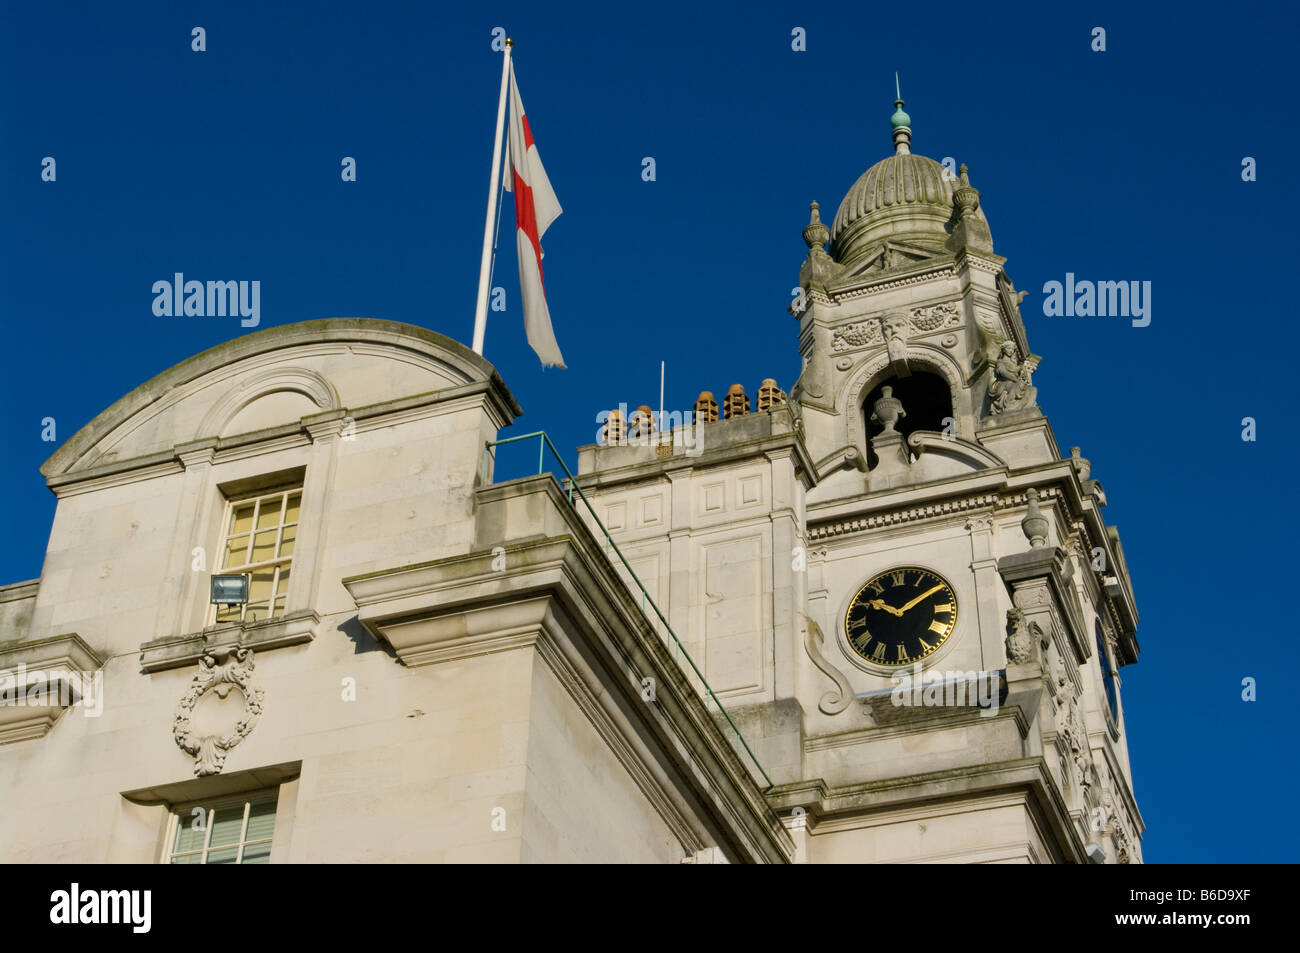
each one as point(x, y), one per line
point(536, 207)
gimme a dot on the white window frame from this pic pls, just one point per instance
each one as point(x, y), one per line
point(282, 491)
point(183, 813)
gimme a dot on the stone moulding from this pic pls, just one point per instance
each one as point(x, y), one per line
point(296, 628)
point(209, 751)
point(57, 668)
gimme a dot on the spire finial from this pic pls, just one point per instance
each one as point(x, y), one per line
point(901, 122)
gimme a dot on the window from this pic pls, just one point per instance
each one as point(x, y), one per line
point(229, 832)
point(1107, 676)
point(259, 537)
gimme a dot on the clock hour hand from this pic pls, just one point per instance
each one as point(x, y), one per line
point(881, 604)
point(923, 596)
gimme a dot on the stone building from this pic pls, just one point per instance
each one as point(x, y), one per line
point(878, 619)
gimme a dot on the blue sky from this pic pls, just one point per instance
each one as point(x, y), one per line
point(1122, 165)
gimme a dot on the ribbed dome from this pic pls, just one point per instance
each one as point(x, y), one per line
point(904, 196)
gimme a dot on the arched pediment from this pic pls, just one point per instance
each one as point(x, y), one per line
point(274, 377)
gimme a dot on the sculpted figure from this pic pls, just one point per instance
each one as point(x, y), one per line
point(1010, 388)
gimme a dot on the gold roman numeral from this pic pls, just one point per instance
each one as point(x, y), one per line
point(857, 624)
point(902, 654)
point(877, 586)
point(897, 576)
point(925, 646)
point(879, 652)
point(940, 628)
point(946, 607)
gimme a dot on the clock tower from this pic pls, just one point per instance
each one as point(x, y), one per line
point(901, 589)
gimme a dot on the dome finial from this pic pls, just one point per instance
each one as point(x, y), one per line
point(901, 122)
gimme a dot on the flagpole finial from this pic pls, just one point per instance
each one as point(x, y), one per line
point(509, 42)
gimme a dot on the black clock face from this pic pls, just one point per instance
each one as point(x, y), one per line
point(901, 616)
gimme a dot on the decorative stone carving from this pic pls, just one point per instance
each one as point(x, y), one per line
point(888, 409)
point(1082, 466)
point(935, 317)
point(1010, 387)
point(209, 751)
point(894, 328)
point(1021, 634)
point(949, 340)
point(1034, 525)
point(832, 703)
point(854, 336)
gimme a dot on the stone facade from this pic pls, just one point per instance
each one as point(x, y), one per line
point(464, 670)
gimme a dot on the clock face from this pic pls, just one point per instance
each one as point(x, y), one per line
point(901, 616)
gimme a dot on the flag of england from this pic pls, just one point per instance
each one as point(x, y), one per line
point(535, 208)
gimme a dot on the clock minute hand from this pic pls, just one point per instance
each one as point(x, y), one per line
point(920, 598)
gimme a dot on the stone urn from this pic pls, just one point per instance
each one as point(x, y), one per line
point(1034, 525)
point(888, 410)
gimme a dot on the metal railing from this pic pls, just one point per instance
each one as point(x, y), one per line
point(679, 650)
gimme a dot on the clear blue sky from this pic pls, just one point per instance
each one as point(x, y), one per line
point(1117, 165)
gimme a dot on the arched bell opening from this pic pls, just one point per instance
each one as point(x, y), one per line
point(927, 405)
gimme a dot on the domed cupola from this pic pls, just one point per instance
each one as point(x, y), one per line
point(904, 198)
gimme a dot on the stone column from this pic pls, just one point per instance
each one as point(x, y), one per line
point(326, 430)
point(183, 596)
point(984, 566)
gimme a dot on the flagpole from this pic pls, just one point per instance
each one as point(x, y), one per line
point(485, 263)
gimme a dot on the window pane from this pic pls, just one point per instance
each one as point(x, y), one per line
point(189, 835)
point(236, 551)
point(282, 586)
point(188, 859)
point(261, 820)
point(257, 853)
point(241, 518)
point(259, 590)
point(264, 546)
point(269, 514)
point(287, 540)
point(255, 613)
point(291, 512)
point(227, 613)
point(227, 855)
point(227, 826)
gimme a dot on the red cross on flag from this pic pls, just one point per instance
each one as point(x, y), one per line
point(536, 207)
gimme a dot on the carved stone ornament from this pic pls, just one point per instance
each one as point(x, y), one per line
point(894, 328)
point(832, 703)
point(1035, 524)
point(855, 335)
point(888, 409)
point(935, 317)
point(1020, 641)
point(209, 751)
point(1009, 386)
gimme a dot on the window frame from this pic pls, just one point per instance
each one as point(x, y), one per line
point(180, 812)
point(279, 589)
